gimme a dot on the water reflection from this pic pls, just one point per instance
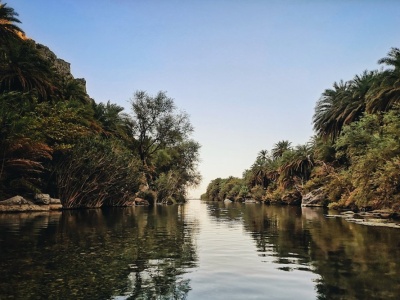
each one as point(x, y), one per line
point(352, 261)
point(196, 251)
point(132, 253)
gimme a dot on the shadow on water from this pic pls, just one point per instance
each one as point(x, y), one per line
point(352, 261)
point(130, 253)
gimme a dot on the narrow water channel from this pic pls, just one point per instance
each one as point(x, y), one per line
point(198, 250)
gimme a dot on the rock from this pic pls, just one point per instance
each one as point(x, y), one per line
point(61, 66)
point(16, 200)
point(55, 204)
point(314, 198)
point(140, 201)
point(292, 198)
point(42, 199)
point(55, 201)
point(250, 201)
point(19, 204)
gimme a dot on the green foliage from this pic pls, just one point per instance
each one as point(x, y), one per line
point(113, 121)
point(24, 69)
point(55, 139)
point(258, 193)
point(280, 148)
point(97, 172)
point(148, 195)
point(9, 31)
point(59, 124)
point(156, 124)
point(355, 155)
point(228, 188)
point(22, 164)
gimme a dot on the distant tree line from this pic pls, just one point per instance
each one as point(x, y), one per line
point(55, 139)
point(354, 157)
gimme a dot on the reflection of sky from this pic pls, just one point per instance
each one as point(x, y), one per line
point(204, 251)
point(230, 267)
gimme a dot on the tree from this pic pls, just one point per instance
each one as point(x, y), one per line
point(97, 172)
point(113, 120)
point(23, 69)
point(280, 148)
point(8, 29)
point(176, 169)
point(22, 157)
point(263, 155)
point(386, 91)
point(297, 164)
point(257, 171)
point(326, 119)
point(157, 124)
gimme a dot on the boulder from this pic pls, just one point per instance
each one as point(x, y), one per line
point(16, 200)
point(18, 204)
point(42, 199)
point(55, 201)
point(140, 201)
point(314, 198)
point(291, 198)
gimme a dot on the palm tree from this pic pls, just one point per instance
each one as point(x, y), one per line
point(271, 167)
point(343, 104)
point(327, 120)
point(112, 120)
point(322, 150)
point(393, 58)
point(386, 91)
point(8, 29)
point(280, 148)
point(296, 164)
point(24, 69)
point(258, 175)
point(72, 89)
point(360, 87)
point(263, 155)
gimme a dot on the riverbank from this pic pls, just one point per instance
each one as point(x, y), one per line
point(41, 202)
point(376, 218)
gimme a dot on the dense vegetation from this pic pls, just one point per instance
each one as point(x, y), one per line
point(55, 139)
point(353, 159)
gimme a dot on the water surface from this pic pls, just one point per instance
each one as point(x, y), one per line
point(196, 251)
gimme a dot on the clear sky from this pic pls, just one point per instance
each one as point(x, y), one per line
point(248, 72)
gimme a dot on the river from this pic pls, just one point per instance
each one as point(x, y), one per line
point(199, 250)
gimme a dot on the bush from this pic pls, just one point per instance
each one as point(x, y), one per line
point(97, 172)
point(149, 195)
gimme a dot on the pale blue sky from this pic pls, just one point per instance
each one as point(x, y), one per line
point(247, 72)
